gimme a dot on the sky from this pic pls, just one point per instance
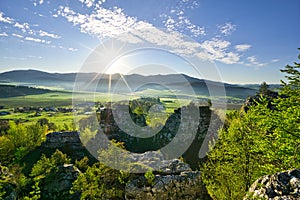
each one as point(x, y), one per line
point(232, 41)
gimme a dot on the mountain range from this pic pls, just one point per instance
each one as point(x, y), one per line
point(121, 83)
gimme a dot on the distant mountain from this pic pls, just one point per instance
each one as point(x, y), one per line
point(178, 82)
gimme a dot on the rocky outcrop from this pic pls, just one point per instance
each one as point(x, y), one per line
point(56, 140)
point(174, 180)
point(279, 186)
point(191, 128)
point(57, 185)
point(67, 142)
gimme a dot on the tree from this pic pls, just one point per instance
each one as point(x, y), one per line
point(19, 140)
point(101, 182)
point(44, 172)
point(292, 87)
point(264, 89)
point(257, 142)
point(293, 75)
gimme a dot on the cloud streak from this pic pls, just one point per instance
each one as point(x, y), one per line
point(38, 40)
point(3, 34)
point(242, 47)
point(5, 19)
point(46, 34)
point(254, 62)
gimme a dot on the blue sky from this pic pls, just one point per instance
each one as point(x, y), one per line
point(248, 41)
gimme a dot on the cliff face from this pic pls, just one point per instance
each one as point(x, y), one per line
point(283, 185)
point(177, 123)
point(173, 180)
point(67, 142)
point(59, 139)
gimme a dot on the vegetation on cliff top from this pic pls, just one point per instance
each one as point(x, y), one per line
point(262, 140)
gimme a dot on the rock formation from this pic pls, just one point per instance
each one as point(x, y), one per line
point(68, 142)
point(279, 186)
point(174, 180)
point(59, 139)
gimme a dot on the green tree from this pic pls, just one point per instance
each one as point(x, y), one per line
point(101, 182)
point(44, 171)
point(254, 143)
point(264, 89)
point(19, 140)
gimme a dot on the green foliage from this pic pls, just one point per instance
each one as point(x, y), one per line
point(114, 155)
point(101, 182)
point(19, 140)
point(12, 181)
point(257, 142)
point(82, 164)
point(6, 182)
point(292, 87)
point(46, 122)
point(45, 165)
point(44, 171)
point(149, 177)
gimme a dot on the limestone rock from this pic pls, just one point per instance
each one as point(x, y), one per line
point(174, 180)
point(56, 140)
point(279, 186)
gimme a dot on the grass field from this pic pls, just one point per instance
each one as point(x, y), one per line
point(64, 99)
point(42, 100)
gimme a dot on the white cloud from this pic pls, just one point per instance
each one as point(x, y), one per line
point(14, 58)
point(253, 62)
point(72, 49)
point(88, 3)
point(190, 4)
point(24, 27)
point(275, 60)
point(3, 34)
point(217, 49)
point(5, 19)
point(38, 40)
point(176, 20)
point(227, 28)
point(17, 35)
point(181, 23)
point(37, 57)
point(242, 47)
point(105, 23)
point(36, 2)
point(46, 34)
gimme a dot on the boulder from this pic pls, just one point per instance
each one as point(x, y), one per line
point(279, 186)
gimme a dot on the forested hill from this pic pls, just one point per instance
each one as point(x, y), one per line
point(7, 91)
